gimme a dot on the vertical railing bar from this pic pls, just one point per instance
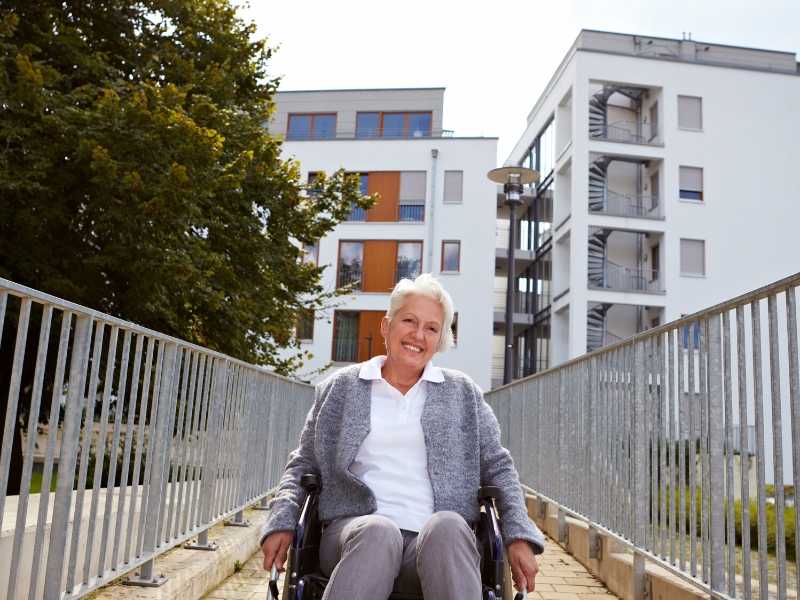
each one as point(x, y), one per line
point(33, 427)
point(175, 463)
point(233, 437)
point(124, 488)
point(137, 460)
point(199, 455)
point(3, 305)
point(705, 490)
point(225, 451)
point(242, 440)
point(619, 431)
point(600, 454)
point(692, 402)
point(52, 429)
point(100, 447)
point(155, 397)
point(684, 436)
point(640, 418)
point(167, 476)
point(777, 443)
point(652, 428)
point(180, 524)
point(794, 404)
point(663, 411)
point(741, 371)
point(13, 399)
point(672, 397)
point(729, 456)
point(112, 463)
point(716, 471)
point(88, 398)
point(758, 403)
point(221, 383)
point(67, 459)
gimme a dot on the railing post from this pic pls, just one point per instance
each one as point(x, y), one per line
point(68, 458)
point(641, 589)
point(640, 449)
point(716, 479)
point(159, 474)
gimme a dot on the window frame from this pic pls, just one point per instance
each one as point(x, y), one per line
point(421, 244)
point(700, 199)
point(458, 257)
point(678, 106)
point(444, 187)
point(680, 259)
point(305, 313)
point(333, 336)
point(405, 134)
point(339, 262)
point(311, 129)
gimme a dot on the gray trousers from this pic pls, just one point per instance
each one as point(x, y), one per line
point(368, 557)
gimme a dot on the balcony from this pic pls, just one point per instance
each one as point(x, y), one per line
point(627, 132)
point(616, 204)
point(608, 275)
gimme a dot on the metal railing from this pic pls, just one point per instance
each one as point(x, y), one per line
point(620, 277)
point(629, 132)
point(411, 212)
point(604, 436)
point(151, 441)
point(368, 134)
point(629, 205)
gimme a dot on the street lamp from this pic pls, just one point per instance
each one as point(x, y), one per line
point(513, 179)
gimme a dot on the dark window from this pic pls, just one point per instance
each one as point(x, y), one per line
point(311, 127)
point(409, 260)
point(305, 325)
point(351, 261)
point(367, 124)
point(451, 255)
point(655, 262)
point(313, 188)
point(393, 124)
point(345, 336)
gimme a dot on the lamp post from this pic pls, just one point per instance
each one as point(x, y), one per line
point(513, 179)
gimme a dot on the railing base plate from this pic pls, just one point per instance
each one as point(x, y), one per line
point(210, 547)
point(156, 581)
point(244, 523)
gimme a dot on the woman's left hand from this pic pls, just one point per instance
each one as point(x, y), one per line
point(524, 566)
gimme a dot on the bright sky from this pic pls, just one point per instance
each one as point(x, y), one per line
point(494, 58)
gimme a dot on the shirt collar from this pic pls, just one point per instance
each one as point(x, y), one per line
point(371, 370)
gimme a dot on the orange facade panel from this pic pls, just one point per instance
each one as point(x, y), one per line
point(387, 185)
point(370, 341)
point(380, 262)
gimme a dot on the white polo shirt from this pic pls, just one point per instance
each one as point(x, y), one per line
point(393, 460)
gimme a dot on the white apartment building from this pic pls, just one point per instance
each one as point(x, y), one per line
point(668, 183)
point(435, 214)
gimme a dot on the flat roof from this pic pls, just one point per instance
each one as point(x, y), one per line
point(405, 89)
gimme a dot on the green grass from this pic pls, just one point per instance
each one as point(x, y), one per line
point(36, 482)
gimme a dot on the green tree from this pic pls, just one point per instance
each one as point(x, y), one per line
point(137, 177)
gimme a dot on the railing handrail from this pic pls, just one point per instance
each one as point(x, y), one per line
point(352, 135)
point(633, 436)
point(211, 433)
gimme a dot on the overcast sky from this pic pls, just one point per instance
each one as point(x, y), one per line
point(494, 58)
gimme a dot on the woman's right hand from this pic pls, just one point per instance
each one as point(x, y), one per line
point(275, 547)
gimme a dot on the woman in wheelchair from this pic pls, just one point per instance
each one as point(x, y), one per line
point(401, 448)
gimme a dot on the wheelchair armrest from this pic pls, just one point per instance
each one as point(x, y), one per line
point(488, 491)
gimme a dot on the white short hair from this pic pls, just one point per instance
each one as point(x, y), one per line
point(425, 285)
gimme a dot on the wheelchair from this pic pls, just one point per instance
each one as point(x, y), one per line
point(304, 581)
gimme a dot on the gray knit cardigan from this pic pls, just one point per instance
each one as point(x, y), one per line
point(462, 439)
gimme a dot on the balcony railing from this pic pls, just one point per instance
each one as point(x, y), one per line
point(349, 274)
point(411, 212)
point(620, 277)
point(629, 205)
point(630, 132)
point(367, 135)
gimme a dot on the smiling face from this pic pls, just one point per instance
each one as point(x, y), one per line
point(412, 336)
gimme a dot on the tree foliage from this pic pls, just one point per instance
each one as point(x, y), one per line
point(137, 177)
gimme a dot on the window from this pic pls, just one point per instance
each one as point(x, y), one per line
point(393, 124)
point(454, 329)
point(345, 336)
point(654, 191)
point(654, 121)
point(451, 256)
point(454, 187)
point(311, 253)
point(351, 260)
point(693, 258)
point(311, 127)
point(409, 260)
point(690, 113)
point(412, 196)
point(655, 261)
point(691, 182)
point(356, 212)
point(305, 325)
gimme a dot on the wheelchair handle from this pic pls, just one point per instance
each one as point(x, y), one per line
point(486, 492)
point(522, 594)
point(310, 482)
point(273, 583)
